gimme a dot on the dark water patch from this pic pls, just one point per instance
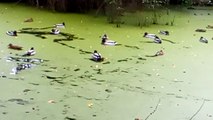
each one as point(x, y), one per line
point(53, 67)
point(81, 38)
point(26, 90)
point(100, 80)
point(19, 101)
point(2, 106)
point(77, 69)
point(47, 70)
point(115, 70)
point(42, 34)
point(200, 30)
point(86, 98)
point(4, 113)
point(73, 85)
point(147, 41)
point(123, 60)
point(89, 98)
point(62, 40)
point(54, 77)
point(16, 78)
point(57, 81)
point(108, 90)
point(133, 47)
point(84, 51)
point(64, 44)
point(98, 83)
point(3, 76)
point(69, 118)
point(124, 71)
point(99, 71)
point(85, 76)
point(170, 94)
point(36, 84)
point(140, 58)
point(186, 47)
point(150, 55)
point(181, 97)
point(169, 41)
point(106, 62)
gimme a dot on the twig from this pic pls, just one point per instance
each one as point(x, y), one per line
point(156, 107)
point(198, 110)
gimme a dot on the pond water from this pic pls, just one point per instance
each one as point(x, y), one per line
point(128, 85)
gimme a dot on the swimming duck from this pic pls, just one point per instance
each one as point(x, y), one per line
point(159, 53)
point(55, 31)
point(11, 33)
point(61, 25)
point(15, 47)
point(21, 67)
point(30, 52)
point(109, 42)
point(97, 56)
point(164, 32)
point(204, 40)
point(154, 37)
point(106, 41)
point(157, 40)
point(151, 36)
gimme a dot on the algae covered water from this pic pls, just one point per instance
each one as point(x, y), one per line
point(128, 85)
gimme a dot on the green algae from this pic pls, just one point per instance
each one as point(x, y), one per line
point(128, 85)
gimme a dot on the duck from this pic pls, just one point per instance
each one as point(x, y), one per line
point(15, 47)
point(164, 32)
point(97, 56)
point(151, 36)
point(203, 40)
point(12, 33)
point(106, 41)
point(159, 53)
point(109, 43)
point(154, 37)
point(157, 40)
point(30, 52)
point(55, 31)
point(21, 67)
point(61, 25)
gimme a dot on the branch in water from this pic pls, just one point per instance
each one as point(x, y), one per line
point(156, 107)
point(198, 110)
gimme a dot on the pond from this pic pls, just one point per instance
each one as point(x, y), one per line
point(64, 83)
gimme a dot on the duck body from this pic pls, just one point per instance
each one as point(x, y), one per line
point(61, 25)
point(109, 43)
point(154, 37)
point(157, 40)
point(21, 67)
point(106, 41)
point(14, 47)
point(11, 33)
point(164, 32)
point(151, 36)
point(55, 31)
point(97, 57)
point(203, 40)
point(30, 52)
